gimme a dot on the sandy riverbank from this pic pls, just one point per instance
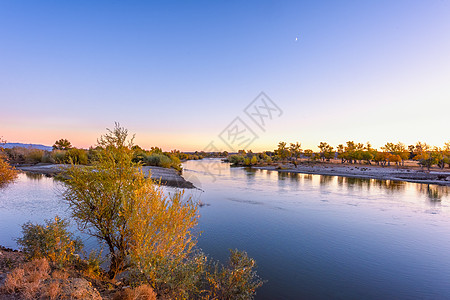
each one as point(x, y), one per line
point(372, 172)
point(168, 177)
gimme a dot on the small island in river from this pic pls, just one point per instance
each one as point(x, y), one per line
point(166, 176)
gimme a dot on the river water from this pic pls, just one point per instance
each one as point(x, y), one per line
point(313, 237)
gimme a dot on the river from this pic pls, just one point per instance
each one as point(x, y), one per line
point(313, 236)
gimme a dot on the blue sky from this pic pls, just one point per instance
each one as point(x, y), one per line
point(177, 73)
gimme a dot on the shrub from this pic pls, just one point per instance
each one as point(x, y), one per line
point(176, 163)
point(158, 160)
point(16, 154)
point(92, 264)
point(58, 156)
point(236, 159)
point(52, 241)
point(238, 280)
point(34, 155)
point(46, 158)
point(77, 156)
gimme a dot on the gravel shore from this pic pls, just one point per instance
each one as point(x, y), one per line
point(373, 172)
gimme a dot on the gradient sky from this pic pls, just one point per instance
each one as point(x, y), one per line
point(176, 73)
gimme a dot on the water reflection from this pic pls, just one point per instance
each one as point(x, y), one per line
point(434, 193)
point(308, 177)
point(326, 180)
point(34, 176)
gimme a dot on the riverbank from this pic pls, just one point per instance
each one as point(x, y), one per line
point(40, 279)
point(169, 177)
point(368, 172)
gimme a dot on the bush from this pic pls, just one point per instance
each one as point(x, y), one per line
point(58, 156)
point(34, 156)
point(52, 241)
point(238, 280)
point(236, 159)
point(77, 156)
point(162, 160)
point(158, 160)
point(46, 158)
point(73, 155)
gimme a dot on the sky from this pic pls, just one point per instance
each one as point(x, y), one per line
point(177, 74)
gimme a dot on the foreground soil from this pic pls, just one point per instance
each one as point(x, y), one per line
point(409, 174)
point(40, 280)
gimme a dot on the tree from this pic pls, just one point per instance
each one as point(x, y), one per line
point(446, 154)
point(109, 198)
point(309, 153)
point(350, 151)
point(341, 152)
point(394, 158)
point(282, 151)
point(367, 156)
point(296, 151)
point(399, 150)
point(423, 156)
point(7, 173)
point(326, 151)
point(62, 144)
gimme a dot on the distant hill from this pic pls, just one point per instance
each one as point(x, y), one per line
point(36, 146)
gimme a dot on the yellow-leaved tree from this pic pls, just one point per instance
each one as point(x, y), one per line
point(113, 201)
point(7, 173)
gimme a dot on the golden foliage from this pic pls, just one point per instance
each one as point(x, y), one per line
point(113, 201)
point(160, 226)
point(7, 173)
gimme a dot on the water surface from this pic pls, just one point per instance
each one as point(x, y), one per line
point(313, 237)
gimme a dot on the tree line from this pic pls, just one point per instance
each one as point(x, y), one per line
point(64, 152)
point(350, 152)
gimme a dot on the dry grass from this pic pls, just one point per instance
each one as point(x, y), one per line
point(52, 290)
point(39, 279)
point(57, 274)
point(31, 289)
point(143, 292)
point(14, 280)
point(28, 279)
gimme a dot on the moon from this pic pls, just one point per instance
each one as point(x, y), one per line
point(296, 39)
